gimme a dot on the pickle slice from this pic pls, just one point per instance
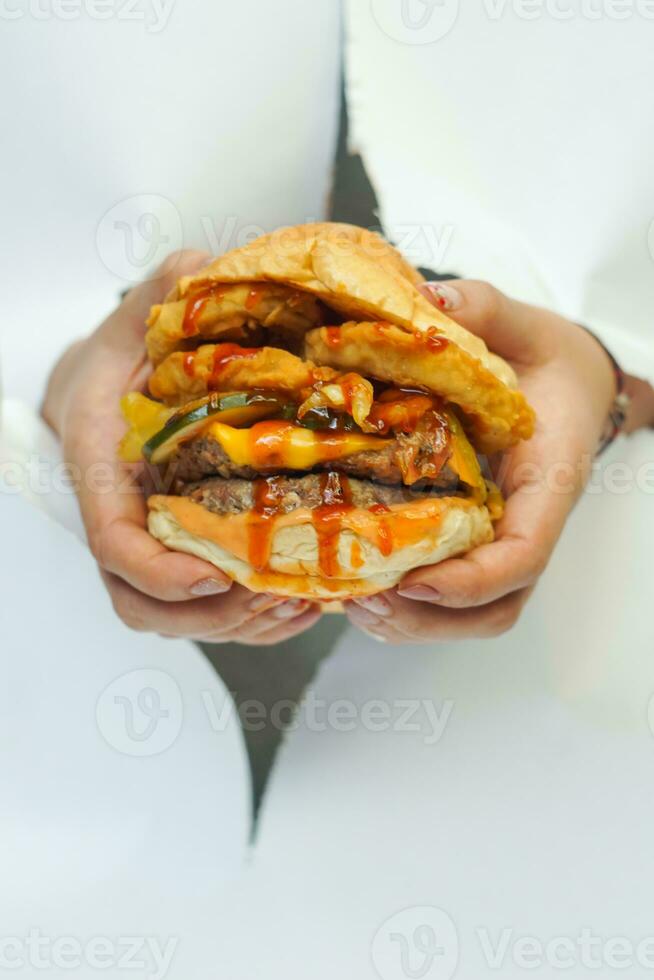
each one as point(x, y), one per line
point(464, 459)
point(237, 408)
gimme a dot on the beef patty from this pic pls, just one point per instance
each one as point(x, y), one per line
point(418, 450)
point(233, 496)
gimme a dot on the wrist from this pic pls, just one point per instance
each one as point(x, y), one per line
point(615, 408)
point(641, 408)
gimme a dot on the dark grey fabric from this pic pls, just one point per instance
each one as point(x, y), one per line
point(270, 675)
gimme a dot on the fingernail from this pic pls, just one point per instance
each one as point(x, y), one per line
point(291, 608)
point(444, 296)
point(263, 600)
point(423, 593)
point(375, 604)
point(209, 586)
point(376, 636)
point(362, 617)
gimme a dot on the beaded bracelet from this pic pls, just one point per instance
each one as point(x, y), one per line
point(620, 407)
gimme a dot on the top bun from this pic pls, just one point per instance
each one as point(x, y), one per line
point(277, 280)
point(354, 271)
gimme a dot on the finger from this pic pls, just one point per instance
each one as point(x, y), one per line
point(116, 528)
point(204, 617)
point(269, 612)
point(401, 620)
point(510, 328)
point(110, 498)
point(544, 479)
point(125, 328)
point(280, 632)
point(526, 536)
point(285, 612)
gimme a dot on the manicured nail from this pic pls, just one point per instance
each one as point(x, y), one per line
point(376, 636)
point(444, 296)
point(289, 609)
point(210, 586)
point(375, 604)
point(423, 593)
point(362, 617)
point(263, 600)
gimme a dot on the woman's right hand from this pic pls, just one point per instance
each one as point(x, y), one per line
point(151, 588)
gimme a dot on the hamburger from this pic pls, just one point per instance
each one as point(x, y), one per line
point(319, 427)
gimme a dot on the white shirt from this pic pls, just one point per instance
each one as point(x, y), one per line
point(514, 142)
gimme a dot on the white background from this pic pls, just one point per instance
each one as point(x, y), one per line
point(533, 811)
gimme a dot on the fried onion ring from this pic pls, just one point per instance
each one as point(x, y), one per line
point(497, 416)
point(230, 312)
point(228, 367)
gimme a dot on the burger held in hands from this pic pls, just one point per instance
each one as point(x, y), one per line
point(317, 421)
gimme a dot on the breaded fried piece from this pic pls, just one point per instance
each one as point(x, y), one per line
point(497, 416)
point(230, 312)
point(228, 367)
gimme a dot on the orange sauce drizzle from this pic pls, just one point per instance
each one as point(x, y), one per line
point(249, 535)
point(225, 354)
point(400, 409)
point(333, 336)
point(435, 341)
point(195, 304)
point(356, 554)
point(384, 532)
point(189, 365)
point(328, 520)
point(254, 296)
point(268, 497)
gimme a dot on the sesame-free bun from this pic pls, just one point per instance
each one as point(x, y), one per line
point(352, 270)
point(425, 532)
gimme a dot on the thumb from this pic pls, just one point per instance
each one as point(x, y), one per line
point(125, 328)
point(508, 327)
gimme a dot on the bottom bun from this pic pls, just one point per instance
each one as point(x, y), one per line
point(371, 552)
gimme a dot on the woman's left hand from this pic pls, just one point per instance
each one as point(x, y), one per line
point(568, 379)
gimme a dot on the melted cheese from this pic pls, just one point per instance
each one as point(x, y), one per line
point(283, 444)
